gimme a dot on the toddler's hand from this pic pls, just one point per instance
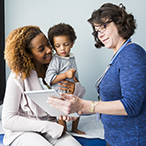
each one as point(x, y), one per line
point(70, 73)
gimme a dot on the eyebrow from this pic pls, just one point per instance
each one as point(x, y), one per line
point(97, 26)
point(40, 47)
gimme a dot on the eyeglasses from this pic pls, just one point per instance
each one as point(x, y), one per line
point(101, 29)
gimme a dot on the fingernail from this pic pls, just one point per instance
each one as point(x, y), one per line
point(48, 100)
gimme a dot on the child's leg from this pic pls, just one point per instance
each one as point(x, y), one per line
point(63, 123)
point(74, 127)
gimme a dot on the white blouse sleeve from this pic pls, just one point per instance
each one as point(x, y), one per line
point(79, 90)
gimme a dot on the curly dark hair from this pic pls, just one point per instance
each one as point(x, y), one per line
point(59, 30)
point(18, 49)
point(126, 24)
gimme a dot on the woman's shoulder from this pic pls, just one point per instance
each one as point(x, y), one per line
point(132, 53)
point(13, 79)
point(133, 47)
point(133, 50)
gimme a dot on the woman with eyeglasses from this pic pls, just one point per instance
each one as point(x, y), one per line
point(122, 87)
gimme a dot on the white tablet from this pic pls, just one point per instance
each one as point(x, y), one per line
point(40, 98)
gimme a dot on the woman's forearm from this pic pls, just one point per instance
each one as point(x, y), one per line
point(75, 104)
point(109, 107)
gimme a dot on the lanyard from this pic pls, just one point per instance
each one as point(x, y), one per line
point(98, 81)
point(119, 51)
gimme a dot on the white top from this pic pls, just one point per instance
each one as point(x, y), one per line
point(21, 114)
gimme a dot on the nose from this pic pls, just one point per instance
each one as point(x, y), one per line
point(100, 34)
point(62, 47)
point(48, 49)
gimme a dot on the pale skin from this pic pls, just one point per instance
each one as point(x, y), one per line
point(112, 40)
point(75, 104)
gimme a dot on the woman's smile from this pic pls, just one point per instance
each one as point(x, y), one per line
point(48, 57)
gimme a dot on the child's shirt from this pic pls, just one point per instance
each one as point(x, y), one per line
point(59, 65)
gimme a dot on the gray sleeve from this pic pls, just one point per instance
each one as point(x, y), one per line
point(52, 70)
point(74, 65)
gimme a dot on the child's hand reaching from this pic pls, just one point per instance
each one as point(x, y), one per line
point(70, 73)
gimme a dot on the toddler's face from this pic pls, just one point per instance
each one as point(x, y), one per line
point(62, 45)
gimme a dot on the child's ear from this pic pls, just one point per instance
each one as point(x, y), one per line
point(72, 44)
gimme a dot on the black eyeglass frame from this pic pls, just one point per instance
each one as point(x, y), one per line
point(95, 33)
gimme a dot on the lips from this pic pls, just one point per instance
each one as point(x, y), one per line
point(48, 56)
point(63, 53)
point(104, 40)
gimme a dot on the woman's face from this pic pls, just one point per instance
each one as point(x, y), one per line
point(110, 37)
point(41, 50)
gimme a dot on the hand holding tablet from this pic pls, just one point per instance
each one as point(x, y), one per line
point(40, 98)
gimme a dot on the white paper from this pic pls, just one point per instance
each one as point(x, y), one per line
point(40, 97)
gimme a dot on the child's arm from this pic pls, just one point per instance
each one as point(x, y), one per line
point(69, 74)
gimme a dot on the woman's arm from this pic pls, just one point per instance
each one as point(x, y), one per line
point(75, 104)
point(12, 118)
point(109, 108)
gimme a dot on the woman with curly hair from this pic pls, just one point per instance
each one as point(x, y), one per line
point(122, 87)
point(28, 53)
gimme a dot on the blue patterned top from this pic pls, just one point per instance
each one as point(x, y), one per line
point(125, 80)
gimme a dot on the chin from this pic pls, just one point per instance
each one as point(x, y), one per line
point(108, 46)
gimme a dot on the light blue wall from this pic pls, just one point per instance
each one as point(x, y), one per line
point(45, 13)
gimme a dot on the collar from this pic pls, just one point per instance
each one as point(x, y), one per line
point(71, 55)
